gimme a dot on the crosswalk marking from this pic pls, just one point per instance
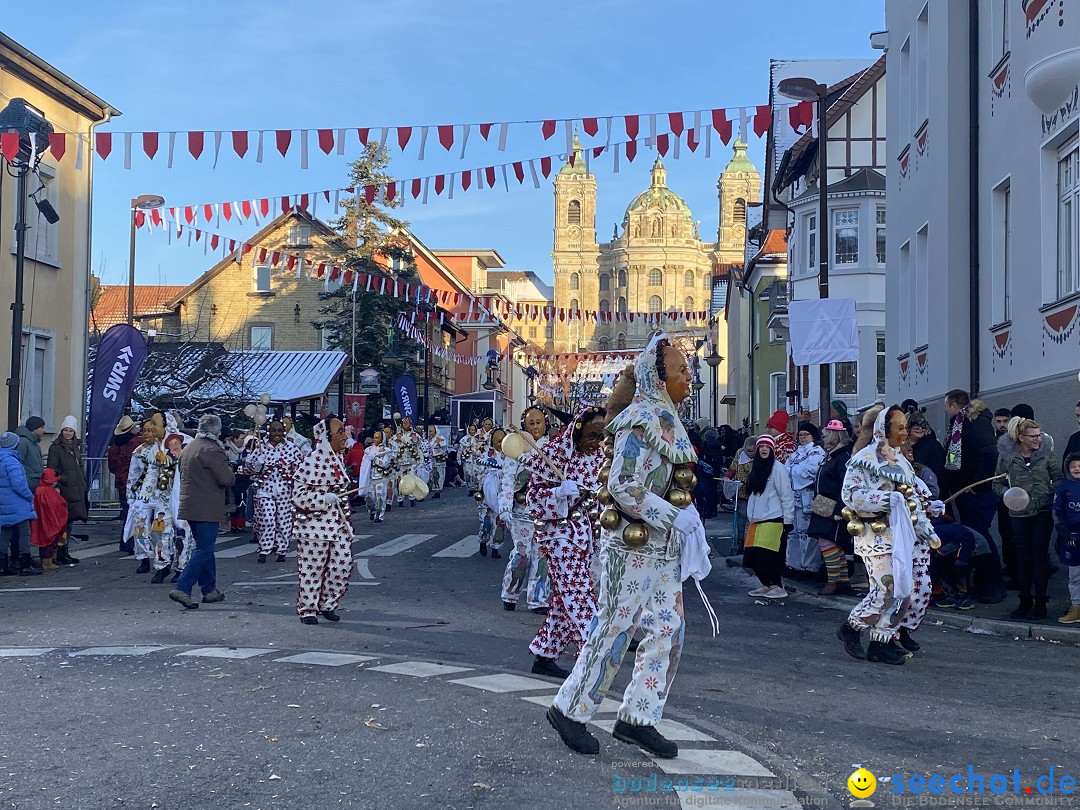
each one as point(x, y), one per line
point(396, 546)
point(325, 659)
point(505, 683)
point(418, 669)
point(697, 761)
point(465, 547)
point(237, 551)
point(98, 551)
point(607, 705)
point(53, 588)
point(15, 652)
point(226, 652)
point(137, 650)
point(669, 728)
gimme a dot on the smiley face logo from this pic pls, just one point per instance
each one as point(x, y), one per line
point(862, 783)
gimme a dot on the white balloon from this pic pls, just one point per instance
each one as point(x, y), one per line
point(265, 399)
point(260, 410)
point(249, 411)
point(260, 419)
point(1016, 498)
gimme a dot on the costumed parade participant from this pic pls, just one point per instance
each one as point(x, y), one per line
point(467, 450)
point(409, 457)
point(803, 553)
point(526, 570)
point(563, 507)
point(886, 507)
point(487, 498)
point(293, 436)
point(183, 540)
point(375, 475)
point(438, 449)
point(151, 519)
point(776, 427)
point(271, 465)
point(323, 525)
point(651, 538)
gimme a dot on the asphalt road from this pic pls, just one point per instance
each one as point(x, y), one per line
point(205, 713)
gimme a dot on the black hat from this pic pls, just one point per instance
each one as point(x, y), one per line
point(812, 429)
point(909, 405)
point(1024, 411)
point(35, 422)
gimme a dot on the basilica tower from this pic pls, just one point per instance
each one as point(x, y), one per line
point(738, 188)
point(576, 253)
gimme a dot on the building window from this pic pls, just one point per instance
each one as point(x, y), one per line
point(262, 279)
point(1001, 27)
point(605, 305)
point(905, 92)
point(573, 213)
point(622, 304)
point(846, 241)
point(532, 331)
point(605, 282)
point(879, 216)
point(880, 357)
point(549, 332)
point(706, 282)
point(1068, 264)
point(688, 279)
point(811, 242)
point(39, 357)
point(575, 281)
point(622, 278)
point(845, 378)
point(573, 305)
point(1002, 246)
point(605, 343)
point(262, 338)
point(905, 321)
point(620, 341)
point(42, 239)
point(656, 304)
point(921, 299)
point(299, 234)
point(778, 390)
point(656, 278)
point(688, 305)
point(922, 67)
point(740, 211)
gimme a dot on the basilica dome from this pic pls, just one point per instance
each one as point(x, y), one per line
point(658, 196)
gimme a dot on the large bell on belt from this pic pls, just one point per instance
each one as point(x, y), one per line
point(683, 477)
point(604, 472)
point(635, 535)
point(609, 519)
point(879, 527)
point(855, 527)
point(609, 449)
point(678, 497)
point(478, 496)
point(519, 498)
point(605, 497)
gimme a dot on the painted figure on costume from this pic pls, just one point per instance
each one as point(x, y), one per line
point(438, 449)
point(376, 473)
point(468, 451)
point(271, 465)
point(526, 569)
point(152, 476)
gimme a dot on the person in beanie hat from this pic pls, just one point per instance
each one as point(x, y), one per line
point(770, 509)
point(16, 509)
point(33, 462)
point(65, 456)
point(776, 428)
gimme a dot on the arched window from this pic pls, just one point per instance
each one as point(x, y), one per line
point(622, 304)
point(656, 304)
point(575, 281)
point(688, 305)
point(605, 343)
point(573, 305)
point(573, 213)
point(620, 341)
point(706, 282)
point(740, 211)
point(656, 278)
point(622, 278)
point(605, 282)
point(688, 279)
point(605, 305)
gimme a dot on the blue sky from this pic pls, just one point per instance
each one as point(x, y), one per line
point(255, 65)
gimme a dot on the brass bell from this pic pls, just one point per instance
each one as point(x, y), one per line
point(912, 505)
point(635, 535)
point(605, 497)
point(914, 518)
point(879, 527)
point(605, 471)
point(576, 515)
point(855, 527)
point(848, 513)
point(678, 497)
point(594, 513)
point(609, 450)
point(519, 498)
point(683, 477)
point(609, 519)
point(904, 490)
point(478, 496)
point(935, 542)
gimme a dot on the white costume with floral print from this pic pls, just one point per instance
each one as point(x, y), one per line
point(153, 497)
point(649, 442)
point(527, 569)
point(408, 458)
point(869, 486)
point(437, 450)
point(377, 471)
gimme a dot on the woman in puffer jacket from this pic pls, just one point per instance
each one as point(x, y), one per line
point(16, 506)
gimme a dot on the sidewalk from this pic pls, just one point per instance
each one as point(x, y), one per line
point(981, 619)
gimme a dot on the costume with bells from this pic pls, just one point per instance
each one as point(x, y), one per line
point(153, 498)
point(651, 538)
point(323, 528)
point(409, 457)
point(886, 506)
point(437, 450)
point(272, 467)
point(527, 569)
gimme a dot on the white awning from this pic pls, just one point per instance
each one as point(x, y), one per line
point(286, 376)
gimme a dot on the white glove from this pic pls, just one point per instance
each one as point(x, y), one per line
point(688, 521)
point(937, 508)
point(257, 466)
point(568, 490)
point(331, 499)
point(504, 518)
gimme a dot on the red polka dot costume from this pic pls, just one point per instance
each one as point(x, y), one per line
point(272, 467)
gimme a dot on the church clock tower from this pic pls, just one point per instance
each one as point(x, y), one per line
point(576, 253)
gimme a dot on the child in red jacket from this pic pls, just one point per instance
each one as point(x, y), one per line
point(52, 512)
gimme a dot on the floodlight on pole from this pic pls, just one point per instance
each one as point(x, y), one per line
point(144, 202)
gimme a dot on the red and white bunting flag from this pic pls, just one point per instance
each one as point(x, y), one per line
point(633, 125)
point(103, 144)
point(440, 184)
point(631, 151)
point(326, 141)
point(403, 135)
point(196, 141)
point(283, 137)
point(547, 129)
point(590, 126)
point(762, 119)
point(675, 120)
point(446, 136)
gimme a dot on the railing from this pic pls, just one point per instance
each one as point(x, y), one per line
point(101, 490)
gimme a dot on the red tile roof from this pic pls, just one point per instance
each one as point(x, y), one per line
point(111, 305)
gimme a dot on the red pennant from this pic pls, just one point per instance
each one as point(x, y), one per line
point(240, 142)
point(519, 171)
point(104, 144)
point(9, 144)
point(264, 206)
point(391, 190)
point(150, 143)
point(403, 135)
point(198, 234)
point(485, 130)
point(291, 262)
point(466, 180)
point(348, 277)
point(440, 184)
point(57, 144)
point(762, 119)
point(676, 121)
point(155, 216)
point(326, 140)
point(195, 143)
point(691, 139)
point(590, 125)
point(545, 166)
point(283, 138)
point(214, 241)
point(140, 219)
point(631, 151)
point(335, 272)
point(446, 136)
point(303, 203)
point(548, 129)
point(286, 204)
point(189, 214)
point(245, 209)
point(801, 115)
point(722, 125)
point(262, 255)
point(489, 173)
point(662, 143)
point(208, 213)
point(369, 193)
point(416, 187)
point(363, 134)
point(632, 123)
point(275, 258)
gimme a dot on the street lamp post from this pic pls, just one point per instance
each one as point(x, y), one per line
point(804, 89)
point(714, 360)
point(144, 202)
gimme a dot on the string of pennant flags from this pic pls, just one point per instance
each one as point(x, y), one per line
point(450, 137)
point(409, 330)
point(481, 308)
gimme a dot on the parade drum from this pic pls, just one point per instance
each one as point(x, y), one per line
point(513, 445)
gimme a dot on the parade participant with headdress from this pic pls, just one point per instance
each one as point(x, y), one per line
point(487, 497)
point(467, 451)
point(526, 570)
point(651, 538)
point(323, 525)
point(151, 519)
point(563, 507)
point(888, 508)
point(390, 443)
point(437, 449)
point(409, 456)
point(375, 473)
point(271, 465)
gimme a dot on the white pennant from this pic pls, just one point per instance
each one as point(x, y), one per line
point(172, 147)
point(341, 142)
point(423, 144)
point(127, 150)
point(568, 128)
point(506, 182)
point(464, 139)
point(608, 122)
point(651, 140)
point(217, 146)
point(259, 149)
point(303, 149)
point(742, 124)
point(427, 185)
point(78, 151)
point(453, 176)
point(502, 136)
point(708, 140)
point(532, 171)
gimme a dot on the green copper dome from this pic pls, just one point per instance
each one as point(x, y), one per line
point(658, 195)
point(739, 161)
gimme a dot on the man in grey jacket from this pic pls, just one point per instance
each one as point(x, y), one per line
point(30, 449)
point(205, 474)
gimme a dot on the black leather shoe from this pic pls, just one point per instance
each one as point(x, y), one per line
point(495, 555)
point(26, 566)
point(262, 559)
point(852, 639)
point(281, 558)
point(331, 615)
point(647, 738)
point(308, 620)
point(159, 576)
point(574, 734)
point(549, 667)
point(907, 642)
point(144, 567)
point(509, 605)
point(882, 653)
point(483, 549)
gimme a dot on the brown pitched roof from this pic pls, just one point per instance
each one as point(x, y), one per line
point(110, 308)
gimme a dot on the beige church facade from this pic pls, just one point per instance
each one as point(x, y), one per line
point(656, 261)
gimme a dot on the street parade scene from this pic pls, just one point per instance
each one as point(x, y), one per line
point(771, 500)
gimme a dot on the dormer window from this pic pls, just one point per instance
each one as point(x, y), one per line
point(299, 234)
